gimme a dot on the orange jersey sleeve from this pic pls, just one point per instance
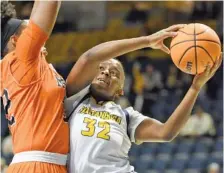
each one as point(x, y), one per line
point(30, 42)
point(27, 63)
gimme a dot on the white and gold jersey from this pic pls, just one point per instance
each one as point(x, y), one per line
point(100, 135)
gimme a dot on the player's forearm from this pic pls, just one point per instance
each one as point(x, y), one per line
point(50, 10)
point(116, 48)
point(181, 115)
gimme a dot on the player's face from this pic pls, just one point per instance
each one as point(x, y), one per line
point(108, 84)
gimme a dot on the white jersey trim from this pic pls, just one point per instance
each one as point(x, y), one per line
point(40, 156)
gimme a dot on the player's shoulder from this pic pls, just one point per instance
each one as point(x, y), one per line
point(127, 111)
point(10, 57)
point(74, 100)
point(5, 62)
point(130, 110)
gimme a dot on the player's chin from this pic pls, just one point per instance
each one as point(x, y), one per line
point(100, 85)
point(100, 91)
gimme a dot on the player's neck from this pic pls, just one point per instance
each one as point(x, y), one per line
point(98, 97)
point(99, 100)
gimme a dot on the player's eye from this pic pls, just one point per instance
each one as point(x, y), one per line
point(101, 68)
point(114, 73)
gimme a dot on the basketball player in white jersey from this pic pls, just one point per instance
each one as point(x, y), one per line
point(101, 132)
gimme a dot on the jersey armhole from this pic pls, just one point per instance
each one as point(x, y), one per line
point(127, 116)
point(76, 106)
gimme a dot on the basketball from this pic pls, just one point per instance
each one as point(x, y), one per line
point(195, 47)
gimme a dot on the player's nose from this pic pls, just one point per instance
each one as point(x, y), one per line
point(106, 72)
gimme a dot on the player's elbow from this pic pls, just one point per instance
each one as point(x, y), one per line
point(167, 137)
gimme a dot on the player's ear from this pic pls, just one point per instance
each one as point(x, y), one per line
point(13, 40)
point(120, 92)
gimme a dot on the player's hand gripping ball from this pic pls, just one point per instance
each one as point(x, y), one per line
point(194, 48)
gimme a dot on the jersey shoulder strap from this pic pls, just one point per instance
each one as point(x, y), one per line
point(127, 116)
point(82, 100)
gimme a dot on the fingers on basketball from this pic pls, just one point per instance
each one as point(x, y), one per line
point(175, 27)
point(217, 63)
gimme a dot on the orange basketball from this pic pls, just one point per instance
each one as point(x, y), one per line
point(195, 47)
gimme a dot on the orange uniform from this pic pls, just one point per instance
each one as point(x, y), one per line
point(33, 94)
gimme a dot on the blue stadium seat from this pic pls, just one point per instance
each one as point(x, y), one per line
point(219, 145)
point(132, 159)
point(148, 148)
point(196, 163)
point(163, 156)
point(192, 171)
point(216, 157)
point(206, 141)
point(161, 162)
point(135, 150)
point(140, 167)
point(171, 171)
point(178, 164)
point(220, 130)
point(152, 171)
point(201, 147)
point(184, 147)
point(166, 148)
point(144, 162)
point(201, 155)
point(181, 156)
point(159, 165)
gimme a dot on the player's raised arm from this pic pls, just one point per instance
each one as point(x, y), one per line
point(86, 67)
point(152, 130)
point(39, 28)
point(44, 14)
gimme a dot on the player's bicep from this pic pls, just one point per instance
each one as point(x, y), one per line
point(150, 130)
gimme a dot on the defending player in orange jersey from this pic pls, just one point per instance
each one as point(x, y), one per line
point(33, 92)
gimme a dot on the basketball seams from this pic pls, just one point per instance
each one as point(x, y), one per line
point(195, 50)
point(184, 54)
point(206, 53)
point(193, 40)
point(194, 32)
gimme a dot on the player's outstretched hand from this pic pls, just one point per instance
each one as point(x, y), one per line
point(156, 39)
point(201, 79)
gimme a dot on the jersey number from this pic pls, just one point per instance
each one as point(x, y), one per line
point(90, 125)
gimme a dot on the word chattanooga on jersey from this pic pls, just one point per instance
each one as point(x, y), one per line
point(101, 114)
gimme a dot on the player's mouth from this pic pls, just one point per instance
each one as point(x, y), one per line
point(103, 81)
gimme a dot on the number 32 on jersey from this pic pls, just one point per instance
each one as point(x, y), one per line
point(91, 125)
